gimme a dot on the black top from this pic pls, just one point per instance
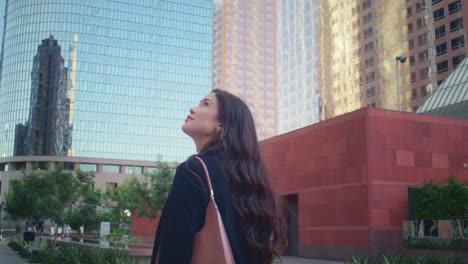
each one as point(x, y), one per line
point(184, 213)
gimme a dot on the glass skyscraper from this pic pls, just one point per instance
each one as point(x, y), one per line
point(102, 79)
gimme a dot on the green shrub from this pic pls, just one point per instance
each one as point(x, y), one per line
point(391, 260)
point(52, 256)
point(117, 256)
point(448, 198)
point(449, 260)
point(360, 260)
point(428, 244)
point(422, 260)
point(96, 255)
point(38, 255)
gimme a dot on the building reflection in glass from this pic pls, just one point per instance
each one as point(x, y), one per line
point(48, 130)
point(126, 84)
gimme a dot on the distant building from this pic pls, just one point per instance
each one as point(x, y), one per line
point(335, 57)
point(244, 55)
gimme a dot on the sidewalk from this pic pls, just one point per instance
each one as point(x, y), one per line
point(9, 256)
point(295, 260)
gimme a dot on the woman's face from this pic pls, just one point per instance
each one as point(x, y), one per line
point(202, 123)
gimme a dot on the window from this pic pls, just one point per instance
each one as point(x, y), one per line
point(442, 66)
point(357, 52)
point(421, 22)
point(414, 94)
point(370, 77)
point(152, 169)
point(440, 31)
point(371, 92)
point(423, 56)
point(110, 168)
point(368, 32)
point(366, 4)
point(420, 5)
point(369, 62)
point(86, 167)
point(436, 1)
point(458, 42)
point(356, 23)
point(423, 91)
point(410, 44)
point(367, 18)
point(424, 73)
point(410, 27)
point(457, 60)
point(454, 7)
point(438, 14)
point(441, 49)
point(413, 77)
point(369, 47)
point(456, 24)
point(357, 37)
point(409, 12)
point(355, 10)
point(412, 60)
point(133, 170)
point(422, 39)
point(68, 166)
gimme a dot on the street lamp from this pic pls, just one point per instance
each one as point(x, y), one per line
point(401, 59)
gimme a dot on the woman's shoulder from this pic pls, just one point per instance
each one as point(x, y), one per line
point(190, 172)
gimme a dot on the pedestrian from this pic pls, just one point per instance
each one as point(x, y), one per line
point(82, 231)
point(59, 232)
point(52, 231)
point(1, 234)
point(67, 231)
point(223, 130)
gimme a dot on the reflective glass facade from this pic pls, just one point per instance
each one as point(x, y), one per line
point(103, 79)
point(244, 57)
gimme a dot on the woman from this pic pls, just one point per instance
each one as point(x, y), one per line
point(223, 130)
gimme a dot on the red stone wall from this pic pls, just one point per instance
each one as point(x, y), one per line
point(351, 175)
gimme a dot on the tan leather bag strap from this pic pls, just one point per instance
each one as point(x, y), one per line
point(228, 256)
point(207, 175)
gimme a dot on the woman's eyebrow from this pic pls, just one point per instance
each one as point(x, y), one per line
point(206, 99)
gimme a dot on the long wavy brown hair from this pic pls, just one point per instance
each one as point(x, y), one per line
point(262, 211)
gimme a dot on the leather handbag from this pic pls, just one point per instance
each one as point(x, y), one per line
point(211, 244)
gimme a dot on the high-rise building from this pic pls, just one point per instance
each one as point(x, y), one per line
point(437, 45)
point(117, 77)
point(244, 41)
point(336, 56)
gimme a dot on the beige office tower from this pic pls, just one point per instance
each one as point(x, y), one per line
point(244, 57)
point(337, 56)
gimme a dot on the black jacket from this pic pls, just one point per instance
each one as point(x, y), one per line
point(184, 213)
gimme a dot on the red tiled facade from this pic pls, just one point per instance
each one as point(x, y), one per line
point(351, 175)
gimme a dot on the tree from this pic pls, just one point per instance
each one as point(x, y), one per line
point(146, 195)
point(86, 212)
point(49, 194)
point(160, 184)
point(448, 198)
